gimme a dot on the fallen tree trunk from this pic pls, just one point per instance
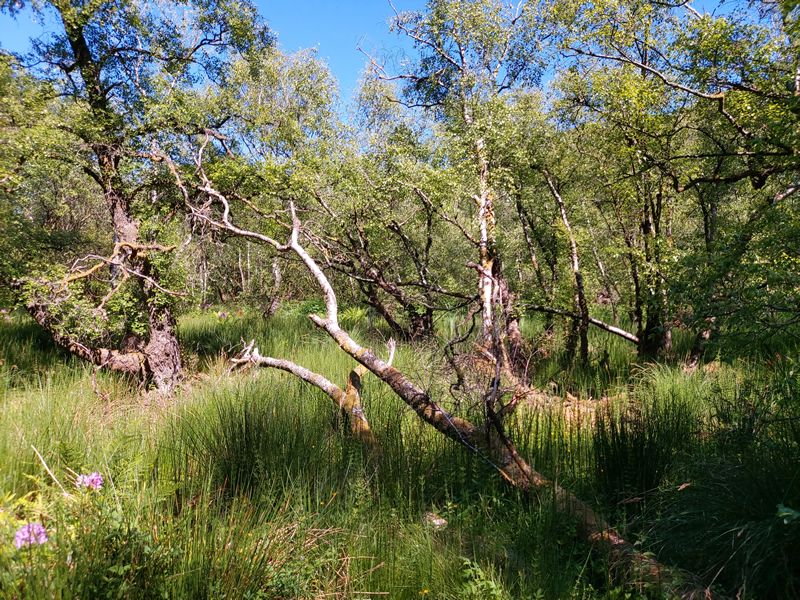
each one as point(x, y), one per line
point(503, 456)
point(488, 441)
point(484, 440)
point(501, 453)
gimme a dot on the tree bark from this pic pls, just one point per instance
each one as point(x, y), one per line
point(160, 357)
point(550, 256)
point(162, 351)
point(347, 401)
point(699, 344)
point(489, 441)
point(487, 244)
point(656, 337)
point(274, 295)
point(129, 362)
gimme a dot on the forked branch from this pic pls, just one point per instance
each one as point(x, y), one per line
point(347, 400)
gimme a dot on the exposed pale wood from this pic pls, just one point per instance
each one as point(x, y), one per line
point(596, 322)
point(496, 448)
point(347, 400)
point(580, 292)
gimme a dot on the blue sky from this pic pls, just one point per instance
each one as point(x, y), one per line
point(334, 27)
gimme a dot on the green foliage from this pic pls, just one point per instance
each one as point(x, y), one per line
point(635, 450)
point(478, 584)
point(353, 317)
point(245, 488)
point(73, 310)
point(48, 213)
point(668, 137)
point(260, 455)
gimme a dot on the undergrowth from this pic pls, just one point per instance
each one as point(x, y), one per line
point(245, 485)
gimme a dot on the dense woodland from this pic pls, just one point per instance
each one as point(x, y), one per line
point(520, 322)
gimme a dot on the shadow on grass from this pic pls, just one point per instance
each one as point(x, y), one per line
point(277, 445)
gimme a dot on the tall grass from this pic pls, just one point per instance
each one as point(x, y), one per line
point(731, 515)
point(246, 485)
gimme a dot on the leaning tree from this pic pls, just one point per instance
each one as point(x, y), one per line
point(120, 69)
point(488, 438)
point(469, 57)
point(232, 195)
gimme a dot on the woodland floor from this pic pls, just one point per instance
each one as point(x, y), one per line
point(245, 485)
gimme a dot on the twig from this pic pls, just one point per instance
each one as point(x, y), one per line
point(49, 472)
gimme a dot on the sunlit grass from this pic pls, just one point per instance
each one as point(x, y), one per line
point(246, 485)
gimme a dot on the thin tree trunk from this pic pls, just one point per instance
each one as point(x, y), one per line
point(242, 284)
point(249, 272)
point(703, 336)
point(537, 268)
point(275, 292)
point(611, 290)
point(582, 305)
point(486, 284)
point(656, 337)
point(699, 344)
point(487, 250)
point(374, 300)
point(547, 288)
point(204, 281)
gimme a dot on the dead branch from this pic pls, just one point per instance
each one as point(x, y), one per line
point(499, 452)
point(347, 400)
point(251, 356)
point(596, 322)
point(114, 260)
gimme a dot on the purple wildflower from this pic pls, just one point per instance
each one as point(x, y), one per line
point(93, 481)
point(32, 533)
